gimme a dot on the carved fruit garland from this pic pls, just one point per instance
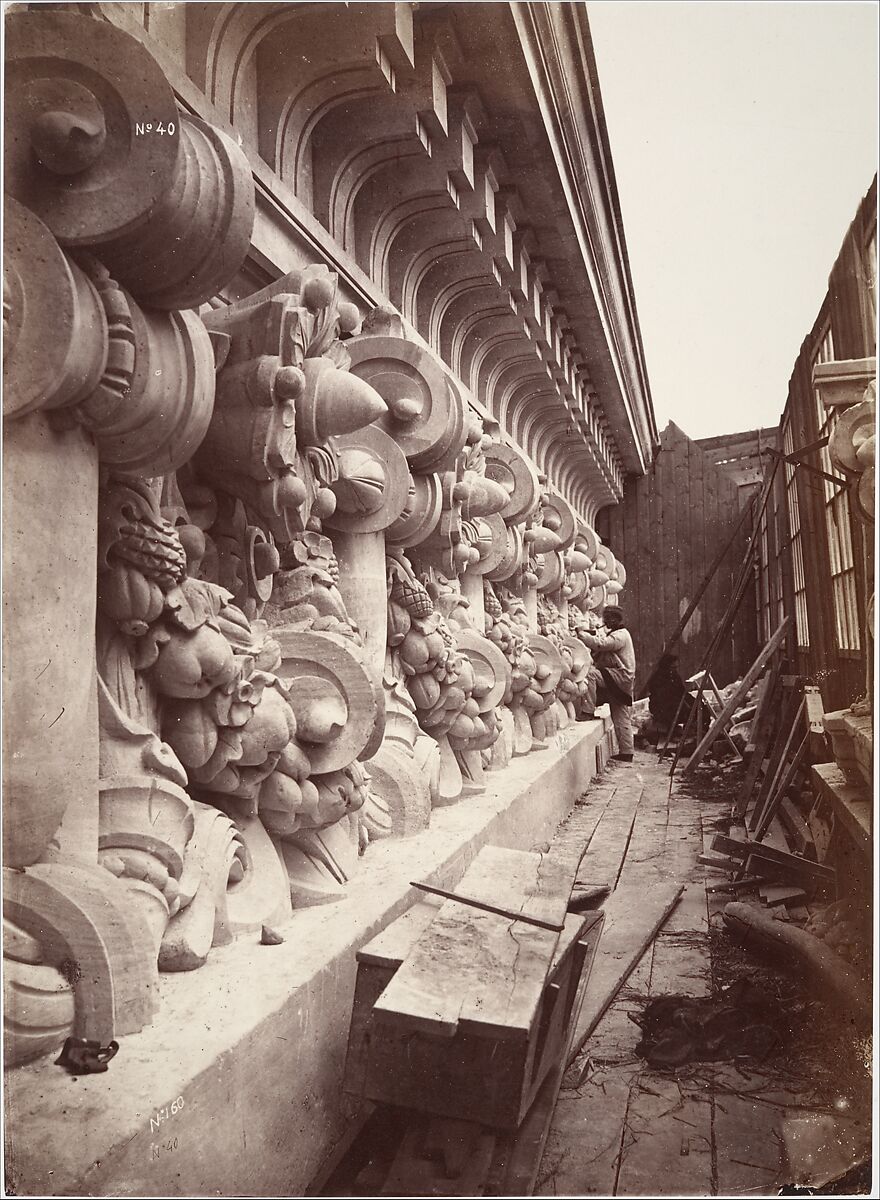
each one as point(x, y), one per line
point(438, 678)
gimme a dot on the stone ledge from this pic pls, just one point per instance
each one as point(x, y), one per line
point(850, 801)
point(852, 738)
point(254, 1041)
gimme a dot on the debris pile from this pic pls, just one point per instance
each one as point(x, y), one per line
point(737, 1022)
point(840, 928)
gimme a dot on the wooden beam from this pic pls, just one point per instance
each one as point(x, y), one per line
point(714, 686)
point(770, 785)
point(723, 719)
point(787, 700)
point(742, 850)
point(815, 713)
point(772, 872)
point(775, 894)
point(484, 907)
point(838, 479)
point(633, 916)
point(775, 798)
point(763, 728)
point(736, 885)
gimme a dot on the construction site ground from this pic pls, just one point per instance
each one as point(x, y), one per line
point(622, 1128)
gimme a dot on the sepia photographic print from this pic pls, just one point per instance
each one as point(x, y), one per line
point(438, 598)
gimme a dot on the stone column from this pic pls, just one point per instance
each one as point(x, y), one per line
point(50, 730)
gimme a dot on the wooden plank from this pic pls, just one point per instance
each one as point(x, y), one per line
point(702, 548)
point(782, 787)
point(607, 848)
point(633, 915)
point(747, 1155)
point(664, 532)
point(667, 1143)
point(713, 687)
point(390, 947)
point(476, 967)
point(583, 1149)
point(778, 874)
point(548, 896)
point(718, 589)
point(773, 895)
point(455, 1157)
point(518, 1158)
point(586, 816)
point(719, 861)
point(764, 684)
point(733, 703)
point(796, 828)
point(736, 885)
point(588, 896)
point(764, 726)
point(742, 849)
point(370, 982)
point(786, 733)
point(687, 551)
point(681, 965)
point(674, 503)
point(707, 579)
point(681, 503)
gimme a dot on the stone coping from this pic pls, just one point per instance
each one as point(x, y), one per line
point(850, 800)
point(249, 1050)
point(852, 736)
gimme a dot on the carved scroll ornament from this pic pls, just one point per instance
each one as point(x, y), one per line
point(282, 394)
point(82, 349)
point(853, 449)
point(96, 148)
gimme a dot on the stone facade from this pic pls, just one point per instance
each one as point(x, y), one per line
point(321, 357)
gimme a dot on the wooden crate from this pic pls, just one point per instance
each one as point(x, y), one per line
point(484, 1056)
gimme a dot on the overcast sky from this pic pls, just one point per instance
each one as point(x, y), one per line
point(744, 136)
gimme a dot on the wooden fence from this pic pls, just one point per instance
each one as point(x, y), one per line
point(668, 530)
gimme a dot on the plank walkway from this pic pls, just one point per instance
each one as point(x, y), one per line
point(621, 1128)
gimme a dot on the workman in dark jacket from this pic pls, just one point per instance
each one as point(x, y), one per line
point(666, 693)
point(614, 671)
point(667, 690)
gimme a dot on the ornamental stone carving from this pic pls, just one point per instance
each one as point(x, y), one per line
point(853, 449)
point(305, 588)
